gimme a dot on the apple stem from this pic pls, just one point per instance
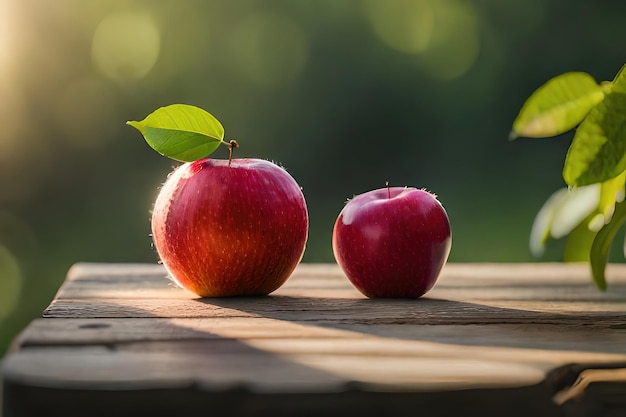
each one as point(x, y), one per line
point(388, 190)
point(232, 144)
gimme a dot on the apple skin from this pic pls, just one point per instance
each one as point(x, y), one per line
point(230, 229)
point(392, 242)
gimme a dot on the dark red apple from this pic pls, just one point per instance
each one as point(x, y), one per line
point(392, 242)
point(233, 228)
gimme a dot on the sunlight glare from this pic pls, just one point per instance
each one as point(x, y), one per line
point(8, 34)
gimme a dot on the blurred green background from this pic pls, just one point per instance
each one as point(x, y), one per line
point(346, 94)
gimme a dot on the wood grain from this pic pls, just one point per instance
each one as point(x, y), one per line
point(538, 337)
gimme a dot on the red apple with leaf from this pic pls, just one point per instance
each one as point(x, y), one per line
point(235, 227)
point(392, 242)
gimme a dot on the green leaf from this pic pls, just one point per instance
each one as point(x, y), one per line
point(599, 255)
point(580, 202)
point(619, 82)
point(557, 106)
point(610, 192)
point(540, 231)
point(181, 132)
point(598, 150)
point(562, 212)
point(579, 241)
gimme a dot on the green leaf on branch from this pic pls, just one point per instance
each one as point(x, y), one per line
point(592, 211)
point(599, 254)
point(181, 132)
point(557, 106)
point(598, 150)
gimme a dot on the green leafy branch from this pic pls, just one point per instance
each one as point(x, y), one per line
point(591, 210)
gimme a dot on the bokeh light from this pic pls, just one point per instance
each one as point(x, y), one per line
point(455, 44)
point(405, 25)
point(442, 33)
point(126, 45)
point(268, 49)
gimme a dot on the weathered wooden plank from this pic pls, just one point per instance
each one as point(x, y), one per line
point(357, 310)
point(471, 291)
point(106, 281)
point(537, 337)
point(529, 281)
point(294, 365)
point(51, 332)
point(323, 275)
point(393, 356)
point(482, 293)
point(453, 273)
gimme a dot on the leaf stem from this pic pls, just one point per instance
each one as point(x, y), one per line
point(388, 190)
point(231, 145)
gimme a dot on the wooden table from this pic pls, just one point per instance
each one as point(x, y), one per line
point(489, 340)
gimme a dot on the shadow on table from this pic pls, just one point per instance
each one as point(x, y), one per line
point(442, 321)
